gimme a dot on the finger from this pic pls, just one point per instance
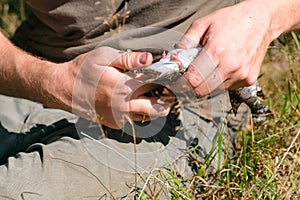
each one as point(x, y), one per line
point(236, 82)
point(198, 73)
point(132, 60)
point(213, 82)
point(143, 88)
point(154, 90)
point(139, 117)
point(150, 106)
point(245, 75)
point(193, 35)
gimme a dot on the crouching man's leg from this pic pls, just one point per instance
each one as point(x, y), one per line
point(85, 161)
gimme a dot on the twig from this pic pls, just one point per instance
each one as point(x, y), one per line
point(289, 148)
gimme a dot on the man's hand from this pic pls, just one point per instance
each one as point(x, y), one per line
point(98, 88)
point(235, 40)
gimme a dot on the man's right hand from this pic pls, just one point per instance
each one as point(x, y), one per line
point(96, 87)
point(93, 85)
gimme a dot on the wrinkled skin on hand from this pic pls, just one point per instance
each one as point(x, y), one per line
point(235, 40)
point(103, 92)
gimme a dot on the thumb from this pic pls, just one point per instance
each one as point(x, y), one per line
point(133, 60)
point(194, 34)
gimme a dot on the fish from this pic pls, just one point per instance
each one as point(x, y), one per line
point(169, 68)
point(176, 62)
point(253, 97)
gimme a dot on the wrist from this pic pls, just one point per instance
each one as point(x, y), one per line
point(33, 76)
point(25, 76)
point(42, 81)
point(282, 15)
point(57, 86)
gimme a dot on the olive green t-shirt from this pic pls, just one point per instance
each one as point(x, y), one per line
point(59, 30)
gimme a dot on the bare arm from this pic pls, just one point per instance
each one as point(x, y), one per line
point(285, 15)
point(20, 73)
point(93, 85)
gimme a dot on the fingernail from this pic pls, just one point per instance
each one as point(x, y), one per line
point(143, 58)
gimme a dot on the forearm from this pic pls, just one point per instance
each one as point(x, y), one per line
point(25, 76)
point(287, 14)
point(284, 14)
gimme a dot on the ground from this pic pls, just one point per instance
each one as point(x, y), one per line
point(267, 162)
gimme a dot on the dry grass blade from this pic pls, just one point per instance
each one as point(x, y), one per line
point(253, 173)
point(288, 150)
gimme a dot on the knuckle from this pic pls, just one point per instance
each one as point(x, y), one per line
point(105, 48)
point(196, 23)
point(234, 65)
point(193, 77)
point(220, 50)
point(194, 82)
point(124, 61)
point(164, 112)
point(250, 80)
point(243, 75)
point(200, 92)
point(128, 60)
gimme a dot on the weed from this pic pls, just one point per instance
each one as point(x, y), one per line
point(267, 164)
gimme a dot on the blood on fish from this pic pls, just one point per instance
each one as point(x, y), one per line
point(174, 57)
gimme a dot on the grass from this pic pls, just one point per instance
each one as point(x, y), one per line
point(266, 164)
point(12, 12)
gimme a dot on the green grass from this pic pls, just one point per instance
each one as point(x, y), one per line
point(266, 164)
